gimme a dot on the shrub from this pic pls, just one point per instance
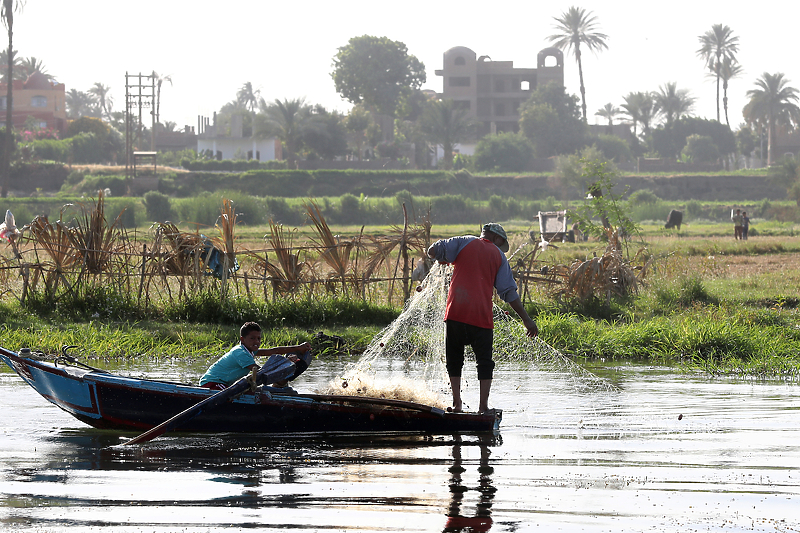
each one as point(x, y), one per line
point(701, 149)
point(157, 206)
point(504, 152)
point(614, 148)
point(694, 208)
point(87, 148)
point(643, 196)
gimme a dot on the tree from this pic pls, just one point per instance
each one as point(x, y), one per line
point(576, 26)
point(503, 152)
point(159, 81)
point(376, 71)
point(102, 98)
point(445, 125)
point(29, 65)
point(248, 96)
point(287, 120)
point(608, 112)
point(717, 45)
point(551, 120)
point(774, 102)
point(668, 141)
point(4, 59)
point(730, 69)
point(327, 137)
point(7, 14)
point(673, 103)
point(81, 104)
point(642, 109)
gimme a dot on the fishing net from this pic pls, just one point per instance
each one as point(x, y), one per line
point(413, 348)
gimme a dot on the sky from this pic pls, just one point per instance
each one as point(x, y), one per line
point(285, 49)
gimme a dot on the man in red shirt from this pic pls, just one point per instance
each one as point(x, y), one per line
point(479, 267)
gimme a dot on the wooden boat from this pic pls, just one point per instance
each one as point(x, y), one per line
point(109, 401)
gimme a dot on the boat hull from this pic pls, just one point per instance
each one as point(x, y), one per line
point(109, 401)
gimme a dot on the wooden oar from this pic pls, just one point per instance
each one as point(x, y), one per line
point(411, 406)
point(276, 368)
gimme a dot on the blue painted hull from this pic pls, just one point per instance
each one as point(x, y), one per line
point(109, 401)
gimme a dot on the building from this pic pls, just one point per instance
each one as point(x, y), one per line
point(235, 145)
point(493, 91)
point(36, 97)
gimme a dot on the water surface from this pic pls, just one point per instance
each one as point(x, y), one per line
point(664, 452)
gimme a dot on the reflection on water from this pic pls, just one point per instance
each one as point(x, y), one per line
point(461, 518)
point(665, 452)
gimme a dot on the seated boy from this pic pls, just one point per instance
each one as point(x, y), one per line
point(240, 360)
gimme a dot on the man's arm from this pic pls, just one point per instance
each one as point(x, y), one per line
point(530, 325)
point(284, 350)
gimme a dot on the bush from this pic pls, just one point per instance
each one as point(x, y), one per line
point(701, 149)
point(87, 148)
point(504, 152)
point(614, 148)
point(694, 209)
point(643, 196)
point(157, 206)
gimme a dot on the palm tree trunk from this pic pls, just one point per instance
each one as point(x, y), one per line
point(725, 101)
point(770, 137)
point(9, 138)
point(580, 75)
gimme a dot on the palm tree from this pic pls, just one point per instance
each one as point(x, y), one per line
point(287, 120)
point(80, 104)
point(100, 93)
point(577, 26)
point(631, 107)
point(673, 103)
point(775, 103)
point(248, 97)
point(7, 14)
point(18, 73)
point(730, 69)
point(29, 65)
point(609, 112)
point(159, 80)
point(445, 124)
point(716, 45)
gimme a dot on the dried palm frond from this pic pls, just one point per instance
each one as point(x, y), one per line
point(227, 229)
point(605, 276)
point(57, 243)
point(177, 252)
point(288, 275)
point(336, 253)
point(95, 239)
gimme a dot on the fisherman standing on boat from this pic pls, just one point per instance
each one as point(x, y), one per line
point(479, 266)
point(240, 360)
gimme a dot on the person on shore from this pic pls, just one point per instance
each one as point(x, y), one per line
point(479, 267)
point(240, 360)
point(736, 218)
point(745, 225)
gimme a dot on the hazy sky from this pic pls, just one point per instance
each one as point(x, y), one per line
point(210, 49)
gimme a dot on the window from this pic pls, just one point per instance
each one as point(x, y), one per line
point(459, 81)
point(525, 86)
point(42, 123)
point(500, 110)
point(460, 61)
point(550, 61)
point(3, 102)
point(39, 101)
point(499, 86)
point(462, 104)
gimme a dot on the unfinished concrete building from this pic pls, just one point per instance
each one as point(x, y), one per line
point(493, 91)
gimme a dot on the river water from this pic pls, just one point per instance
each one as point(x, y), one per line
point(664, 451)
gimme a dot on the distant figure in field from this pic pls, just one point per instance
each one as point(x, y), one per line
point(736, 218)
point(674, 219)
point(745, 225)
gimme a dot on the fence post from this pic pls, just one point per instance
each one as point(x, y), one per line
point(141, 279)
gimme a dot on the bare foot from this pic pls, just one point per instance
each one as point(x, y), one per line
point(455, 409)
